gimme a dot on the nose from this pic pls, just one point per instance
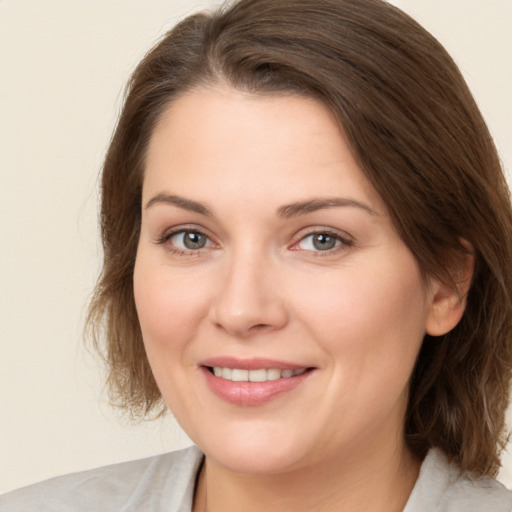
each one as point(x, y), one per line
point(249, 299)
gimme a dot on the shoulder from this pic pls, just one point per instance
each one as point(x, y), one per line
point(442, 487)
point(145, 484)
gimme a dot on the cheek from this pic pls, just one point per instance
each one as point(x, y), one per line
point(371, 319)
point(169, 306)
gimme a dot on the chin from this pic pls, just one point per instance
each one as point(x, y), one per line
point(263, 452)
point(255, 462)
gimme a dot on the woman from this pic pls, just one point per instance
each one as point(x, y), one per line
point(307, 240)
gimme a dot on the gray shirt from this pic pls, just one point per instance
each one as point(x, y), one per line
point(165, 483)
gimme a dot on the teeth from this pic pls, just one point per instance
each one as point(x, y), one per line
point(258, 375)
point(273, 374)
point(239, 375)
point(261, 375)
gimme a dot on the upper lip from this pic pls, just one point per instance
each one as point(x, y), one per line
point(255, 363)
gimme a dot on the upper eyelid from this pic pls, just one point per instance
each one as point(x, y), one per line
point(342, 235)
point(186, 227)
point(347, 241)
point(166, 234)
point(164, 240)
point(304, 233)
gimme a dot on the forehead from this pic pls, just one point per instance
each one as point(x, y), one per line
point(244, 144)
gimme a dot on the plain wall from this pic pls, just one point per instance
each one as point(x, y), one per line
point(63, 65)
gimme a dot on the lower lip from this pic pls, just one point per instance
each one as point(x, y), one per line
point(251, 393)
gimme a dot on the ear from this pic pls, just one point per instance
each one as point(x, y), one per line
point(448, 300)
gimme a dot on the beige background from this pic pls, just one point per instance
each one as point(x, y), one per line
point(62, 68)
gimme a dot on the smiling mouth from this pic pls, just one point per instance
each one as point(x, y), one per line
point(259, 375)
point(253, 386)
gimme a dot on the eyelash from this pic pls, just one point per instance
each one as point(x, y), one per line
point(344, 241)
point(167, 235)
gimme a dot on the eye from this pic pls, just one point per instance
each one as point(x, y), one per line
point(189, 240)
point(323, 241)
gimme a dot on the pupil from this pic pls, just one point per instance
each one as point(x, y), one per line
point(324, 242)
point(194, 240)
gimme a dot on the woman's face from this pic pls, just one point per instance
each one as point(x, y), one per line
point(281, 313)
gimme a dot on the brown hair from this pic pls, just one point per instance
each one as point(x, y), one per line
point(419, 138)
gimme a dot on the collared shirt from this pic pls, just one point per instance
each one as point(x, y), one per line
point(165, 483)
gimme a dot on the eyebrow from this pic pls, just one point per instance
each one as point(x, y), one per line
point(287, 211)
point(180, 202)
point(312, 205)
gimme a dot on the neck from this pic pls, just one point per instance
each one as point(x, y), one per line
point(378, 478)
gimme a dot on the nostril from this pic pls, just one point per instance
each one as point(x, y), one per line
point(258, 327)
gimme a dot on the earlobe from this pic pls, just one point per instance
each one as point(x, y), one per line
point(448, 300)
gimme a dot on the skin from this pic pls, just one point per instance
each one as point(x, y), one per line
point(356, 313)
